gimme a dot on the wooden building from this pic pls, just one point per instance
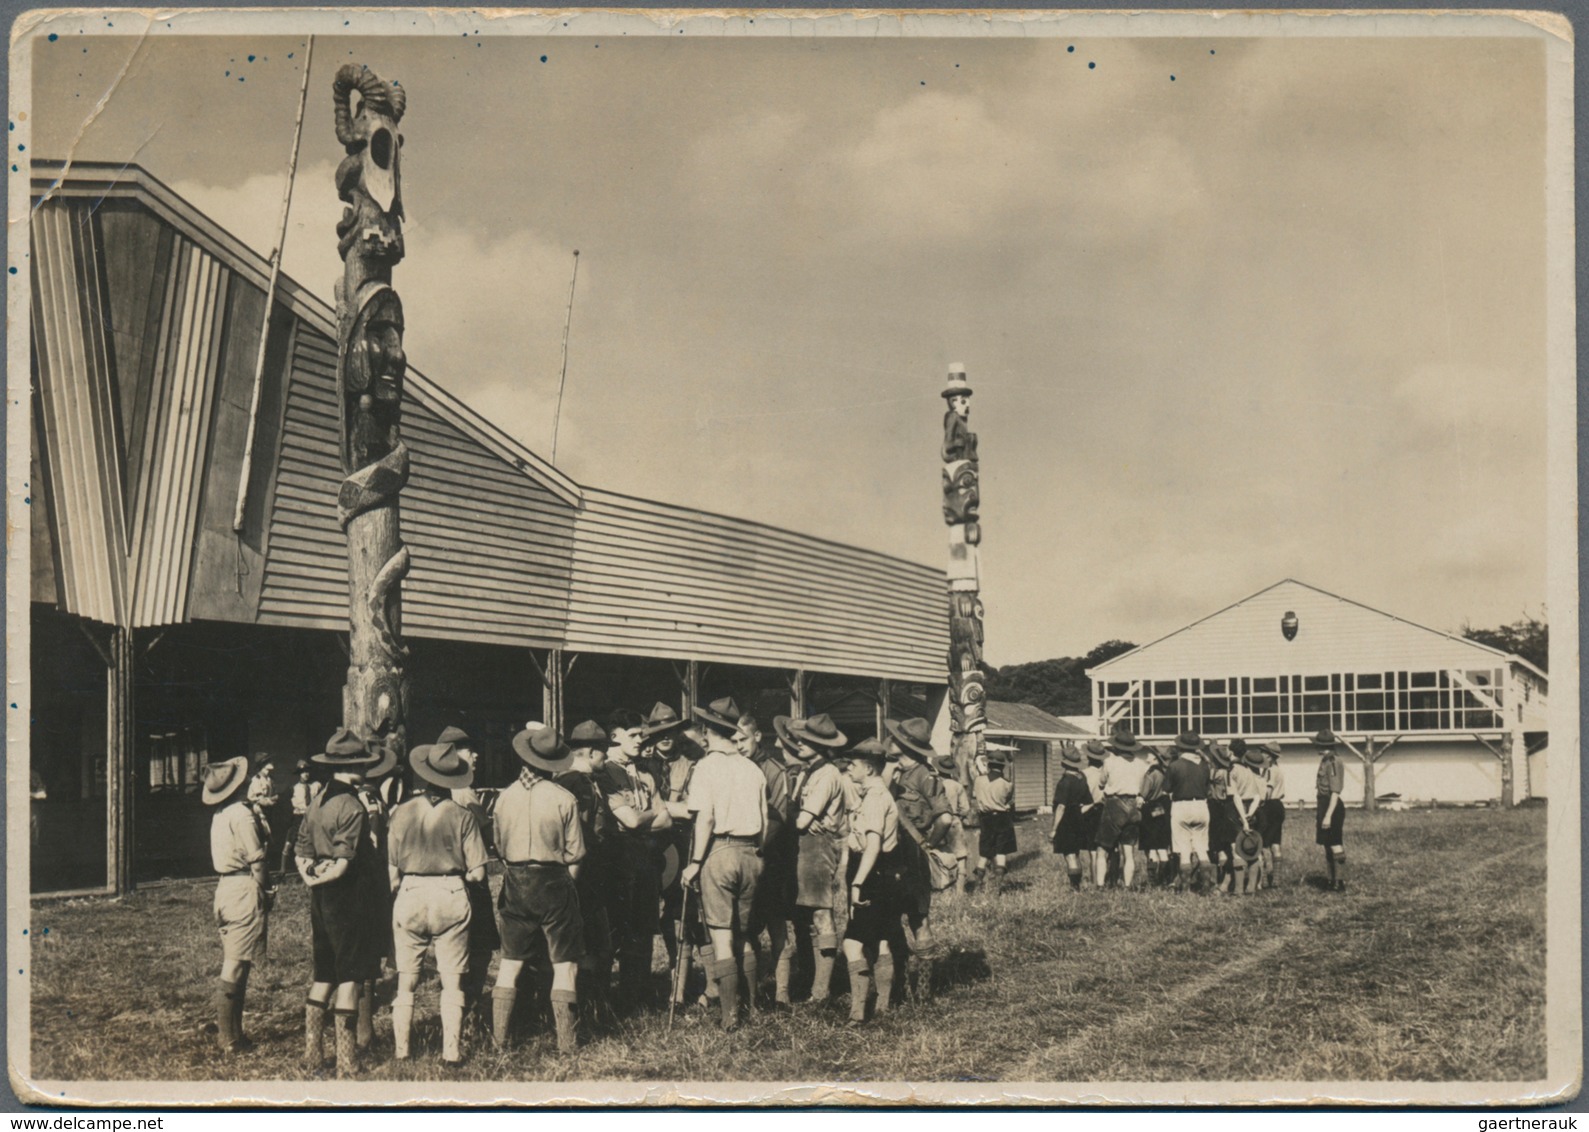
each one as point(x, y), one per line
point(162, 639)
point(1426, 716)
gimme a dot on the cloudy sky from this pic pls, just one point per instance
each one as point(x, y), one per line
point(1234, 309)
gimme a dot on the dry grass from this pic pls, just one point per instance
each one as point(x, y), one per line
point(1432, 968)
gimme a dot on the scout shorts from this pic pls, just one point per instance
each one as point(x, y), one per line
point(1189, 827)
point(1155, 832)
point(817, 871)
point(431, 911)
point(998, 834)
point(347, 946)
point(1121, 821)
point(775, 892)
point(1271, 821)
point(1329, 834)
point(877, 917)
point(482, 920)
point(1072, 835)
point(240, 915)
point(728, 885)
point(536, 901)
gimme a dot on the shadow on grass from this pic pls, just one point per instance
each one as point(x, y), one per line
point(961, 967)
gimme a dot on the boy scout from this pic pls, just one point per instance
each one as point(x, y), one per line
point(958, 841)
point(819, 798)
point(336, 859)
point(995, 797)
point(242, 895)
point(728, 801)
point(1096, 754)
point(639, 814)
point(538, 835)
point(1072, 801)
point(1331, 813)
point(775, 892)
point(483, 937)
point(872, 883)
point(434, 846)
point(1272, 817)
point(1120, 779)
point(587, 756)
point(1247, 791)
point(924, 809)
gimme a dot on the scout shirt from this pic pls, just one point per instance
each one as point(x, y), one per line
point(1120, 775)
point(1072, 792)
point(994, 795)
point(628, 784)
point(919, 794)
point(874, 812)
point(1186, 779)
point(336, 827)
point(731, 792)
point(954, 793)
point(1332, 776)
point(434, 836)
point(821, 794)
point(1094, 777)
point(537, 820)
point(1247, 787)
point(1277, 782)
point(236, 841)
point(778, 815)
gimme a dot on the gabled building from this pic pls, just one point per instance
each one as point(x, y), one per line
point(1428, 716)
point(162, 638)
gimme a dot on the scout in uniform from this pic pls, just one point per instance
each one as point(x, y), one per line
point(1096, 753)
point(373, 792)
point(924, 807)
point(242, 895)
point(873, 877)
point(779, 877)
point(638, 813)
point(1120, 780)
point(728, 800)
point(336, 859)
point(542, 845)
point(483, 937)
point(1186, 782)
point(1247, 792)
point(1155, 837)
point(304, 791)
point(775, 891)
point(1331, 813)
point(957, 843)
point(1222, 823)
point(1272, 817)
point(995, 797)
point(1072, 801)
point(434, 846)
point(821, 822)
point(587, 756)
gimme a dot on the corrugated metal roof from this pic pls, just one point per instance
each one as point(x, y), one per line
point(1026, 719)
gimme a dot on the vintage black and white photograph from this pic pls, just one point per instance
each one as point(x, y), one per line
point(506, 605)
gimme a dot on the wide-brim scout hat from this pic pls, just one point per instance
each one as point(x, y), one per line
point(223, 779)
point(1248, 845)
point(1325, 739)
point(780, 728)
point(1073, 758)
point(819, 731)
point(1188, 741)
point(670, 865)
point(956, 386)
point(947, 765)
point(915, 735)
point(661, 720)
point(1219, 756)
point(1270, 748)
point(721, 715)
point(866, 749)
point(1254, 758)
point(385, 761)
point(440, 764)
point(1124, 743)
point(543, 749)
point(346, 751)
point(589, 734)
point(1097, 750)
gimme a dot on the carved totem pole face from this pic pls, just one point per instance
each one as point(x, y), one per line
point(960, 403)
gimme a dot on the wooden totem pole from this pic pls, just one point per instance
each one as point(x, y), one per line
point(370, 370)
point(961, 498)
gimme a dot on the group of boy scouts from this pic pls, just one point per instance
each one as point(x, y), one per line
point(1204, 816)
point(691, 828)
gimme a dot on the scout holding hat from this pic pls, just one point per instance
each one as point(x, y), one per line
point(337, 862)
point(821, 823)
point(1247, 790)
point(1272, 815)
point(874, 874)
point(728, 795)
point(1072, 801)
point(1331, 813)
point(1120, 780)
point(434, 848)
point(541, 843)
point(242, 895)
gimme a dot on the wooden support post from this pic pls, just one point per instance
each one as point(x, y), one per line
point(883, 705)
point(797, 694)
point(1502, 751)
point(691, 690)
point(119, 770)
point(552, 677)
point(1366, 756)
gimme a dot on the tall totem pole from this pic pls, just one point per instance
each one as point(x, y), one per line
point(961, 498)
point(370, 369)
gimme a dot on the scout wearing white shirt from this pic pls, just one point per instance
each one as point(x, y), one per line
point(242, 897)
point(728, 800)
point(1120, 779)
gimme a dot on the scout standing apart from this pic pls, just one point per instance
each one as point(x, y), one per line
point(336, 860)
point(242, 895)
point(1156, 818)
point(1247, 791)
point(924, 809)
point(1120, 779)
point(1186, 782)
point(1096, 752)
point(1331, 814)
point(1072, 801)
point(958, 842)
point(538, 835)
point(728, 798)
point(873, 877)
point(1272, 817)
point(775, 891)
point(587, 756)
point(637, 811)
point(821, 824)
point(995, 797)
point(1222, 823)
point(434, 848)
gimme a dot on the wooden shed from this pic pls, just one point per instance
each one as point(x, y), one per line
point(162, 639)
point(1033, 739)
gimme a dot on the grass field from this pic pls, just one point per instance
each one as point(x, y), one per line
point(1431, 968)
